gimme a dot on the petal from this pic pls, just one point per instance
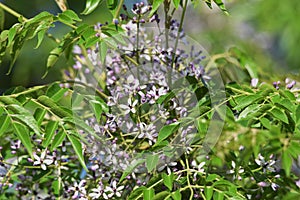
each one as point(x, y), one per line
point(36, 157)
point(114, 184)
point(43, 166)
point(48, 161)
point(43, 154)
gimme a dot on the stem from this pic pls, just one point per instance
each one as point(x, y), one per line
point(12, 12)
point(119, 9)
point(178, 32)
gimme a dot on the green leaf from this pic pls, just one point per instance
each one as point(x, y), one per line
point(136, 193)
point(42, 174)
point(211, 177)
point(155, 6)
point(176, 3)
point(249, 110)
point(219, 195)
point(11, 35)
point(103, 51)
point(53, 57)
point(4, 124)
point(151, 162)
point(77, 146)
point(57, 110)
point(72, 15)
point(22, 132)
point(39, 115)
point(245, 101)
point(279, 115)
point(148, 194)
point(176, 195)
point(41, 35)
point(2, 19)
point(219, 3)
point(112, 4)
point(68, 40)
point(130, 168)
point(166, 131)
point(208, 191)
point(49, 132)
point(265, 122)
point(57, 186)
point(297, 114)
point(286, 162)
point(161, 195)
point(97, 108)
point(25, 117)
point(90, 6)
point(58, 139)
point(55, 92)
point(168, 180)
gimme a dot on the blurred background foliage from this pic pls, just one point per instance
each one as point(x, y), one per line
point(268, 31)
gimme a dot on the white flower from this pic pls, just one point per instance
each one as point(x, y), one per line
point(96, 192)
point(274, 186)
point(130, 107)
point(79, 189)
point(114, 190)
point(236, 171)
point(266, 165)
point(42, 160)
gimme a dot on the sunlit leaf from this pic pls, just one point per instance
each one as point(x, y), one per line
point(176, 195)
point(176, 3)
point(148, 194)
point(208, 191)
point(168, 180)
point(155, 6)
point(4, 124)
point(286, 162)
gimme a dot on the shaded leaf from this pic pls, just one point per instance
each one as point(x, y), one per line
point(77, 146)
point(166, 131)
point(22, 132)
point(49, 132)
point(279, 115)
point(161, 195)
point(90, 6)
point(130, 168)
point(55, 92)
point(25, 117)
point(151, 162)
point(57, 140)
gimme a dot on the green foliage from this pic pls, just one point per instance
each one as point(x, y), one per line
point(262, 121)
